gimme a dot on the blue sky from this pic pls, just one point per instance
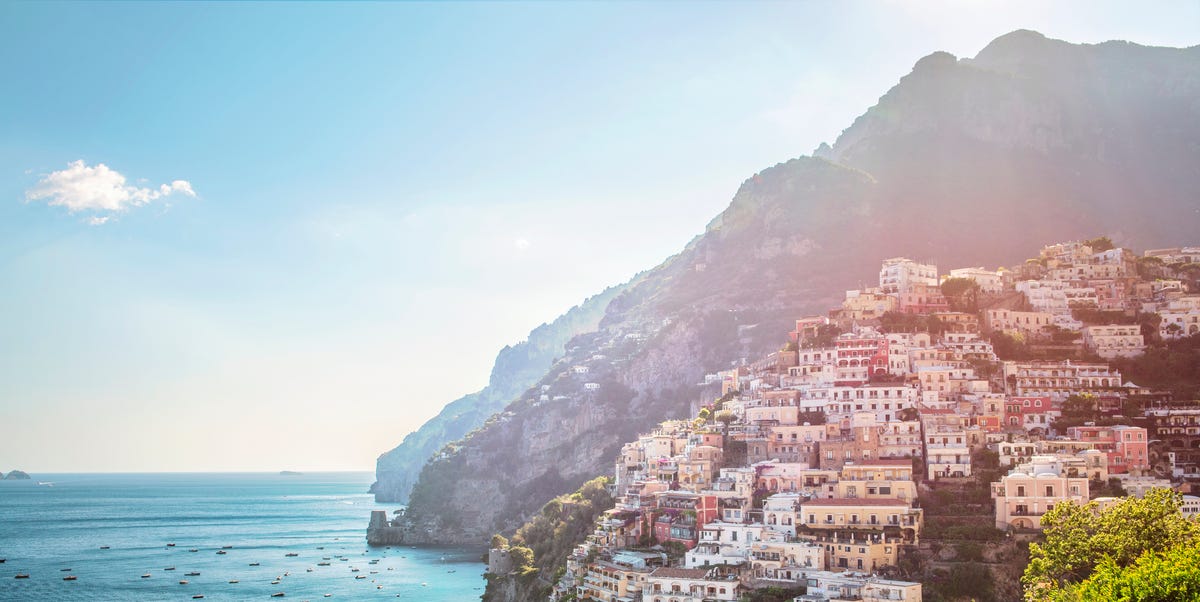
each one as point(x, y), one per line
point(386, 194)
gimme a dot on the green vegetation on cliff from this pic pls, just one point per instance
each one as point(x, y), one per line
point(544, 542)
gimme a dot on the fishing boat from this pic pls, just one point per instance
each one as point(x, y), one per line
point(21, 576)
point(70, 578)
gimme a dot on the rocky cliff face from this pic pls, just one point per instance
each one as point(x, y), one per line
point(1033, 140)
point(516, 368)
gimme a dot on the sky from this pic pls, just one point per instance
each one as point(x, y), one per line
point(256, 237)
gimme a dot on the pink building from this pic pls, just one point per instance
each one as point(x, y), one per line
point(1125, 446)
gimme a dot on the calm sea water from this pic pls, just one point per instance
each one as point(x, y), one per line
point(45, 529)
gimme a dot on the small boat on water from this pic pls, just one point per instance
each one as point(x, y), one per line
point(322, 564)
point(233, 580)
point(194, 574)
point(21, 576)
point(291, 554)
point(198, 597)
point(275, 582)
point(193, 550)
point(2, 560)
point(171, 544)
point(183, 582)
point(328, 595)
point(278, 595)
point(360, 576)
point(170, 568)
point(253, 564)
point(221, 552)
point(70, 578)
point(146, 576)
point(104, 547)
point(226, 547)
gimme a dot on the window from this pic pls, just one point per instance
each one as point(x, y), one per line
point(1049, 490)
point(1020, 491)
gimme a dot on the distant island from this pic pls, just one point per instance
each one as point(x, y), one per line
point(289, 473)
point(16, 475)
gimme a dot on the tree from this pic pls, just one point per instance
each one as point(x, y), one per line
point(1079, 538)
point(961, 293)
point(522, 558)
point(1154, 577)
point(1100, 244)
point(499, 542)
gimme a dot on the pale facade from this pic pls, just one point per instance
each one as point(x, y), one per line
point(1026, 493)
point(1115, 341)
point(899, 274)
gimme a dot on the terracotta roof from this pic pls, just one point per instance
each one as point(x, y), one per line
point(673, 573)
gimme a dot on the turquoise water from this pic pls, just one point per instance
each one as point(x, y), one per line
point(264, 517)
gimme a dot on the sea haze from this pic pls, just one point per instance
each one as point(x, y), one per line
point(46, 528)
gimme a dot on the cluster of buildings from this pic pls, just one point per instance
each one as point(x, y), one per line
point(806, 472)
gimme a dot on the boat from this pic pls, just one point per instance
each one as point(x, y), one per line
point(3, 560)
point(70, 578)
point(308, 570)
point(291, 554)
point(226, 547)
point(328, 595)
point(320, 547)
point(275, 582)
point(193, 550)
point(322, 564)
point(221, 552)
point(170, 568)
point(104, 547)
point(360, 576)
point(233, 580)
point(183, 582)
point(353, 570)
point(146, 576)
point(46, 483)
point(452, 571)
point(22, 576)
point(65, 570)
point(194, 574)
point(198, 597)
point(278, 595)
point(253, 564)
point(171, 545)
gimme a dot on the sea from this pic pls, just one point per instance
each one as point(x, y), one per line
point(114, 534)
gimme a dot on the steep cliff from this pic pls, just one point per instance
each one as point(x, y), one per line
point(980, 159)
point(516, 368)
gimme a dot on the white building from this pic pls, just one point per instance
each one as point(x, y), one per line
point(899, 274)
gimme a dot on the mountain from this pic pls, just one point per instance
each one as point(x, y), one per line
point(1032, 140)
point(516, 368)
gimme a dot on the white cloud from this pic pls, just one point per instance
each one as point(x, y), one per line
point(521, 244)
point(98, 189)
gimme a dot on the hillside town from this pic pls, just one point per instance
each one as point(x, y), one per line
point(812, 469)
